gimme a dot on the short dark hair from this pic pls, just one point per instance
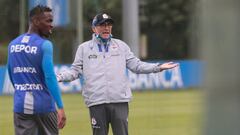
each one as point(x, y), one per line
point(39, 9)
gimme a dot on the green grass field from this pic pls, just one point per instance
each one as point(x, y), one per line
point(151, 113)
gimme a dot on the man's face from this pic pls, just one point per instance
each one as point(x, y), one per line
point(104, 30)
point(45, 25)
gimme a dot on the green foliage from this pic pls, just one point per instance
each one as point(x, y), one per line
point(150, 113)
point(167, 24)
point(112, 7)
point(9, 19)
point(63, 39)
point(9, 25)
point(3, 53)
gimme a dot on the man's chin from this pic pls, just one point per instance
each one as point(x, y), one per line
point(105, 36)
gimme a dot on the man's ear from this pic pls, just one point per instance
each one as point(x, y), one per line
point(93, 29)
point(35, 21)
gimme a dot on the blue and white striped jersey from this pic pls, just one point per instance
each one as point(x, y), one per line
point(32, 76)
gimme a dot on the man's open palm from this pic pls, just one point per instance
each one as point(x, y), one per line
point(168, 65)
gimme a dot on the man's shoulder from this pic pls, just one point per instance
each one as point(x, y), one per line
point(17, 39)
point(85, 44)
point(37, 38)
point(29, 38)
point(46, 41)
point(119, 42)
point(116, 40)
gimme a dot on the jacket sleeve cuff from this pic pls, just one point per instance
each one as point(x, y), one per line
point(157, 68)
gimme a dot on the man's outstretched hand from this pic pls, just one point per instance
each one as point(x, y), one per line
point(168, 65)
point(61, 118)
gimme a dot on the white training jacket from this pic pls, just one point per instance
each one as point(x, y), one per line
point(104, 72)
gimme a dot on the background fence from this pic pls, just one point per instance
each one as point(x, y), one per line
point(187, 75)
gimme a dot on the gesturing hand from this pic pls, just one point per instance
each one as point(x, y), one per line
point(168, 65)
point(61, 118)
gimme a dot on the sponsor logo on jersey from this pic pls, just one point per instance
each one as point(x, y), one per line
point(27, 86)
point(92, 56)
point(23, 48)
point(24, 70)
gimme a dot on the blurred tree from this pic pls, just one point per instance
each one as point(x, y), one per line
point(9, 25)
point(65, 37)
point(166, 24)
point(113, 8)
point(3, 54)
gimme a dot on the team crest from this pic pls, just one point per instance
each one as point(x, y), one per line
point(25, 39)
point(94, 122)
point(105, 16)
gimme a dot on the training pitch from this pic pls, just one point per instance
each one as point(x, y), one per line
point(166, 112)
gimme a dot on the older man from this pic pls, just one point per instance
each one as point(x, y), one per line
point(103, 61)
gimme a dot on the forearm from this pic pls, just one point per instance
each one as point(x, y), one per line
point(75, 71)
point(140, 67)
point(53, 88)
point(49, 75)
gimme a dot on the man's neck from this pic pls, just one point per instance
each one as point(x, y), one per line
point(103, 40)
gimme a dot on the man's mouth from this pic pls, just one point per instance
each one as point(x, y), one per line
point(105, 33)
